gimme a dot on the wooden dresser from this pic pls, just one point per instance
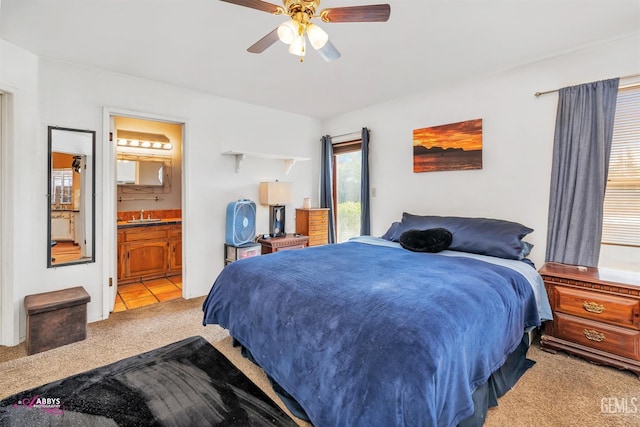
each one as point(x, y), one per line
point(596, 314)
point(313, 222)
point(285, 243)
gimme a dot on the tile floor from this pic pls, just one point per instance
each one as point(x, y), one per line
point(147, 292)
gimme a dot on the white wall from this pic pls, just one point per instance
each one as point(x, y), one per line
point(72, 96)
point(18, 80)
point(517, 141)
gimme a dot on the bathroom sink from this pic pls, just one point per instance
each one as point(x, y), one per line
point(144, 220)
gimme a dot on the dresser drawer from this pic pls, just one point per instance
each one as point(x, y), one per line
point(318, 218)
point(318, 240)
point(317, 228)
point(612, 339)
point(612, 309)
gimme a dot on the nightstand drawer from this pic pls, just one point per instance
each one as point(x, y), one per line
point(612, 339)
point(291, 247)
point(616, 310)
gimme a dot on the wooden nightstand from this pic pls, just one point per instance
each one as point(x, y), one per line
point(288, 242)
point(313, 222)
point(596, 315)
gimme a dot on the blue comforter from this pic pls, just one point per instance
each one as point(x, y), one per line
point(365, 335)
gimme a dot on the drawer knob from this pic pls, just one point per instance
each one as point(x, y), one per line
point(593, 307)
point(592, 335)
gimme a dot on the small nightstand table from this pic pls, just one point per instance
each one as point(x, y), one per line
point(596, 314)
point(285, 243)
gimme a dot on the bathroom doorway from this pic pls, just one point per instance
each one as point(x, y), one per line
point(147, 154)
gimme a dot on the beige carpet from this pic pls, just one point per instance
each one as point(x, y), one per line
point(559, 390)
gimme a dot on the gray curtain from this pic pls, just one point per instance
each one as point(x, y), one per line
point(365, 214)
point(581, 149)
point(326, 184)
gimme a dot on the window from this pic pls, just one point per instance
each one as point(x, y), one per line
point(621, 219)
point(61, 186)
point(347, 169)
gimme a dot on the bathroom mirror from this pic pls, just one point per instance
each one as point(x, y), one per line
point(140, 172)
point(71, 196)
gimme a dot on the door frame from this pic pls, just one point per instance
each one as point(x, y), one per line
point(110, 230)
point(9, 315)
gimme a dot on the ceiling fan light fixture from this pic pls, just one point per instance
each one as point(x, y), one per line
point(298, 46)
point(288, 31)
point(317, 36)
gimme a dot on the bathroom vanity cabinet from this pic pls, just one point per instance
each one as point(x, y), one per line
point(149, 251)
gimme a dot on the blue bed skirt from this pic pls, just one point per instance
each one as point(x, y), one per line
point(484, 397)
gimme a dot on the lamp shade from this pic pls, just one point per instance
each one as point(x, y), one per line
point(275, 193)
point(298, 46)
point(288, 31)
point(317, 36)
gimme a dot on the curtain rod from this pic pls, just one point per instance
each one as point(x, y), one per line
point(355, 133)
point(556, 90)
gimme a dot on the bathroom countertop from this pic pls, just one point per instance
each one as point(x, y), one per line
point(163, 221)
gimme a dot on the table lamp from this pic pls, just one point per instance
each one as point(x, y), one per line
point(276, 195)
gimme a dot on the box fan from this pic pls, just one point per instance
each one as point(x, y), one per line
point(241, 222)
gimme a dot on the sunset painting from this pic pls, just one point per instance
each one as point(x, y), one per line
point(456, 146)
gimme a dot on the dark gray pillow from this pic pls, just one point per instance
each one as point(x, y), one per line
point(431, 240)
point(391, 231)
point(486, 236)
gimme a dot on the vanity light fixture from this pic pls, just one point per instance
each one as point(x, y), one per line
point(144, 144)
point(128, 138)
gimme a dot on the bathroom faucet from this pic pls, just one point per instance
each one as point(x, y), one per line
point(141, 213)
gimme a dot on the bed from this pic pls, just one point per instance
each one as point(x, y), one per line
point(370, 333)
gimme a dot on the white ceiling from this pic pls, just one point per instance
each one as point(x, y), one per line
point(201, 44)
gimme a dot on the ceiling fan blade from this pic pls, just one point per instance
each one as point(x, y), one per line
point(262, 44)
point(370, 13)
point(257, 4)
point(328, 52)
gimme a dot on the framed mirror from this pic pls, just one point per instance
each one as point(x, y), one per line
point(71, 198)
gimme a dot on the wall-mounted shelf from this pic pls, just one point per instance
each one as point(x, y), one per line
point(289, 161)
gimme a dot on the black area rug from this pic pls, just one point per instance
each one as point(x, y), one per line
point(188, 383)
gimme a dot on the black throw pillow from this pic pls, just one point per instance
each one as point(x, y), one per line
point(431, 240)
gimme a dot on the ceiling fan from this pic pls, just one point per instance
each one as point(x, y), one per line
point(299, 28)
